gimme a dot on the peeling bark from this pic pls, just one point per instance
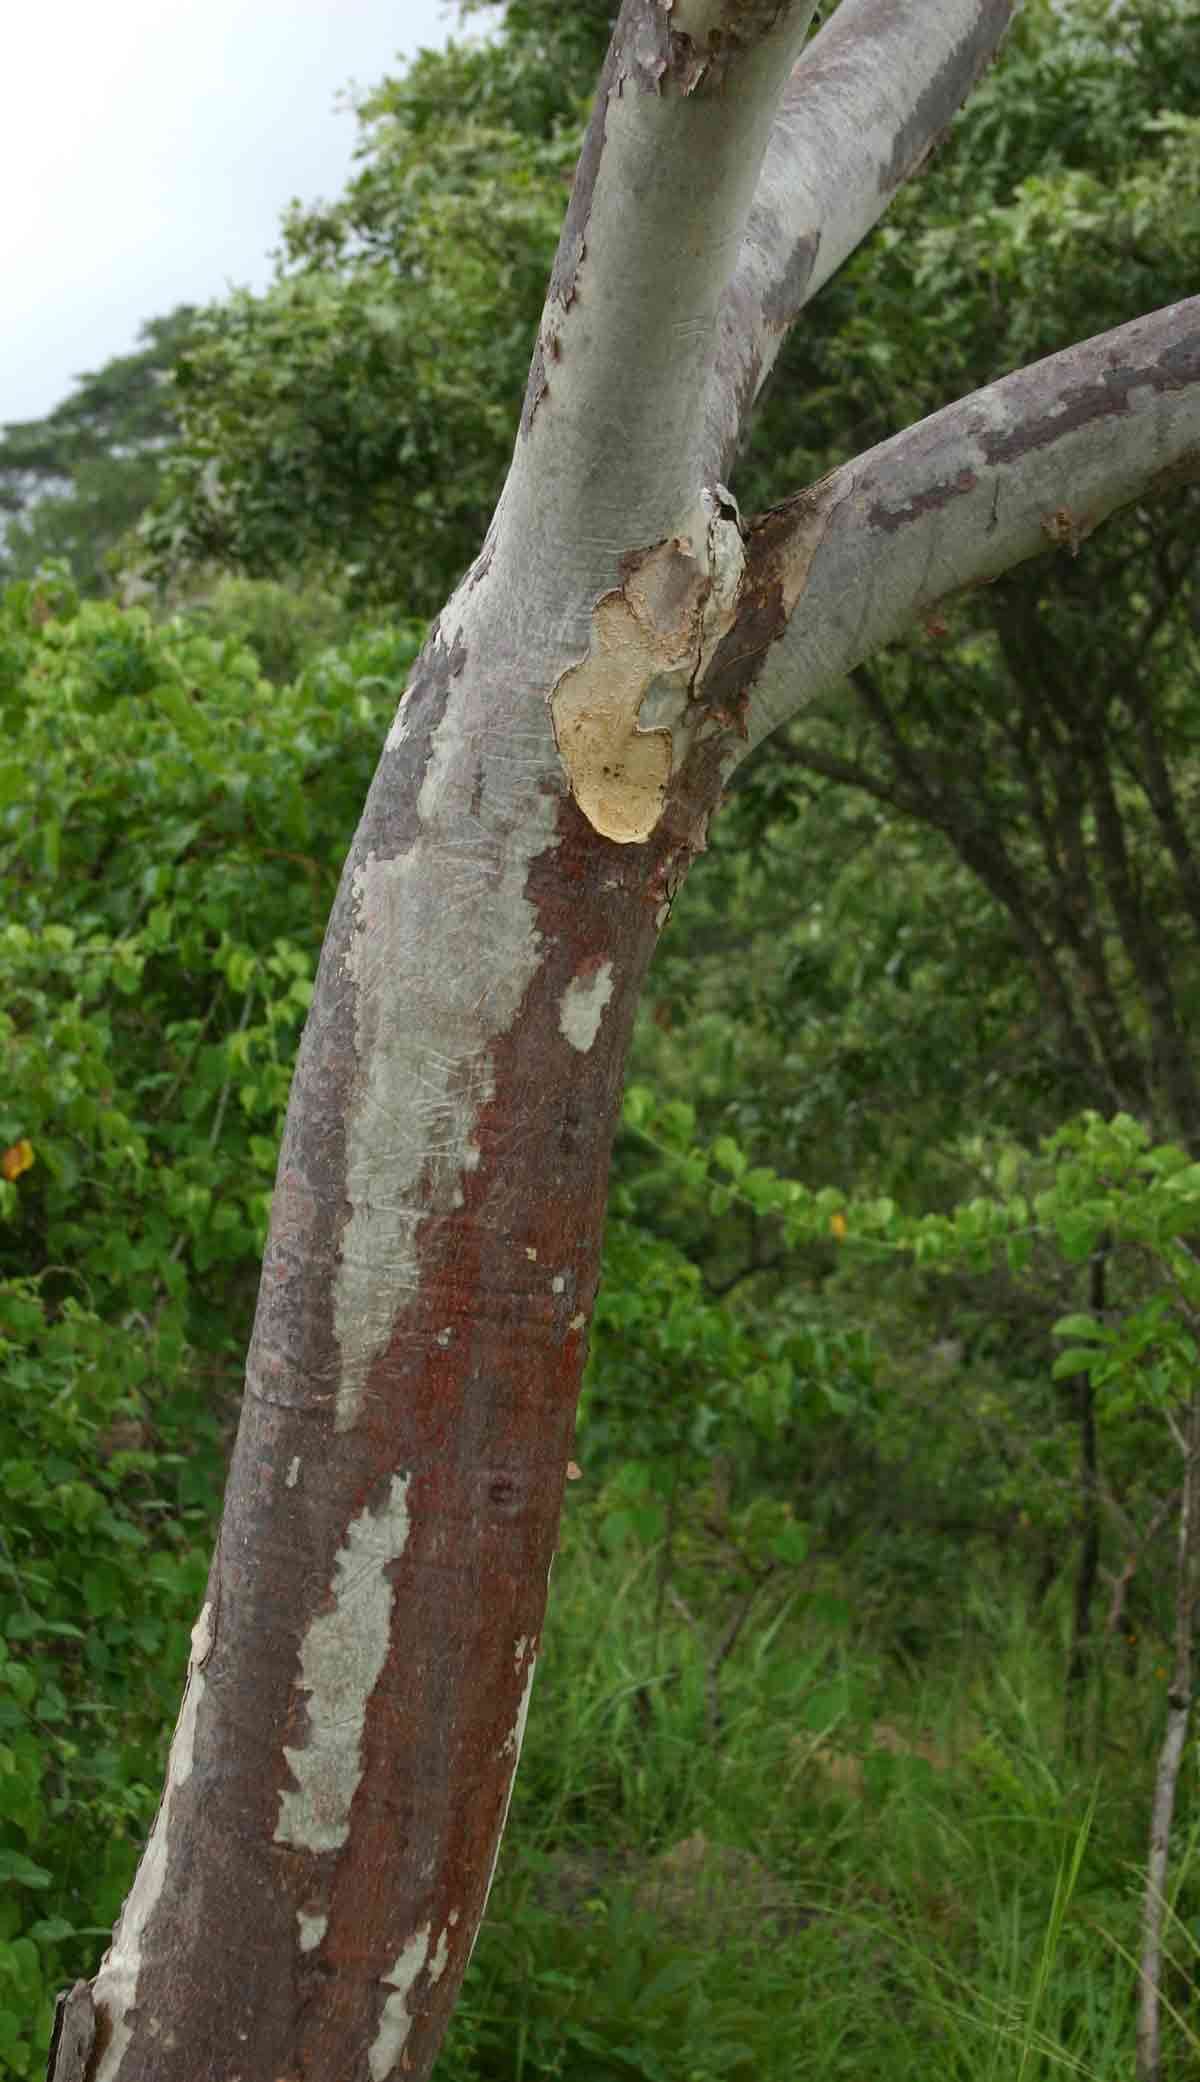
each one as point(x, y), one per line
point(625, 716)
point(74, 2036)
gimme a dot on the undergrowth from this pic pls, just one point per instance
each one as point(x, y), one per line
point(927, 1887)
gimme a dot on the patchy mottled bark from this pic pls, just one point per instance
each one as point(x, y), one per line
point(379, 1587)
point(362, 1666)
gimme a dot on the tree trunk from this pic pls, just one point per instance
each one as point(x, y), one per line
point(361, 1668)
point(1081, 1661)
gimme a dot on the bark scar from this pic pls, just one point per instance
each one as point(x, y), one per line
point(624, 715)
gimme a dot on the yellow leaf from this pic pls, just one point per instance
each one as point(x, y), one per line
point(18, 1157)
point(837, 1226)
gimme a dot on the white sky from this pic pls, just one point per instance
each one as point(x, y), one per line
point(147, 149)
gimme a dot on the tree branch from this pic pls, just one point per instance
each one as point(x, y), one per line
point(1179, 1708)
point(865, 105)
point(981, 848)
point(1066, 731)
point(608, 452)
point(954, 501)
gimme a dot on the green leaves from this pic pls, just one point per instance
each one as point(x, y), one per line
point(1106, 1189)
point(157, 961)
point(22, 1872)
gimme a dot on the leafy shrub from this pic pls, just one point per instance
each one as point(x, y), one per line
point(108, 1465)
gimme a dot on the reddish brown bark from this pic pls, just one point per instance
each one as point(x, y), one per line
point(472, 1403)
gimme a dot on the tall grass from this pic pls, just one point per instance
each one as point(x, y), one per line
point(869, 1869)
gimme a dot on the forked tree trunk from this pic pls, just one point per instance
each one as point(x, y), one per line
point(361, 1669)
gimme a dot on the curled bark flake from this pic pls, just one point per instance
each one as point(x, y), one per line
point(73, 2039)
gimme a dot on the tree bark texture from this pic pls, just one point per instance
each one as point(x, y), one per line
point(361, 1668)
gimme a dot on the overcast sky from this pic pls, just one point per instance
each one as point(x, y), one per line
point(147, 148)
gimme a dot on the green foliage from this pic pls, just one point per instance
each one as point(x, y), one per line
point(1107, 1190)
point(985, 1424)
point(170, 844)
point(283, 625)
point(108, 1460)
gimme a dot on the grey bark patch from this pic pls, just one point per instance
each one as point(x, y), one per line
point(788, 295)
point(889, 518)
point(294, 1357)
point(1181, 360)
point(936, 107)
point(1107, 395)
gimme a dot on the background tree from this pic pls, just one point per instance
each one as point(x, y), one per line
point(355, 421)
point(74, 483)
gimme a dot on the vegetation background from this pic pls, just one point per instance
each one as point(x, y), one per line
point(872, 1607)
